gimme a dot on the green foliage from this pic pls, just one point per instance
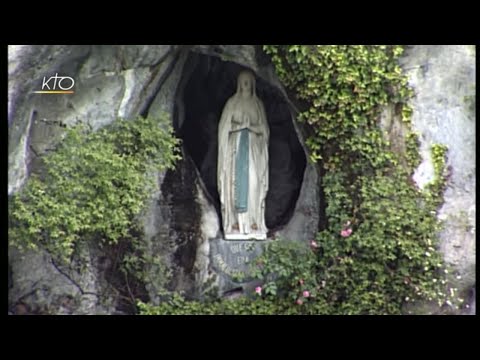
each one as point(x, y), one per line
point(439, 152)
point(92, 187)
point(178, 305)
point(389, 255)
point(437, 186)
point(412, 145)
point(344, 86)
point(286, 270)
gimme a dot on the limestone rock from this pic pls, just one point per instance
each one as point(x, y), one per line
point(443, 78)
point(182, 227)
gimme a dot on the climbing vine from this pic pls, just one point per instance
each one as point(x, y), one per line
point(378, 250)
point(92, 187)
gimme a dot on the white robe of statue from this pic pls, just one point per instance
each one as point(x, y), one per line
point(244, 110)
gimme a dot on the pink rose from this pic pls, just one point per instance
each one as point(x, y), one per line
point(346, 232)
point(258, 290)
point(313, 244)
point(300, 281)
point(299, 302)
point(306, 294)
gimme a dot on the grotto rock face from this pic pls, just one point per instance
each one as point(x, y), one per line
point(182, 230)
point(182, 227)
point(206, 83)
point(443, 78)
point(39, 285)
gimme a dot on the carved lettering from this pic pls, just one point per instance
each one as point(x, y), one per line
point(234, 258)
point(223, 266)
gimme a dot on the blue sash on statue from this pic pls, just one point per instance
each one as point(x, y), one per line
point(241, 173)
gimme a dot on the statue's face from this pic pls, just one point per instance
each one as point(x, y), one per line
point(245, 84)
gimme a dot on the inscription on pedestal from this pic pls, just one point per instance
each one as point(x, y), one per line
point(234, 258)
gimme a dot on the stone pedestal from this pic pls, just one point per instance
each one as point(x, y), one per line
point(245, 236)
point(232, 260)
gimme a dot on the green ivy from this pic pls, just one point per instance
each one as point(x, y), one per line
point(379, 248)
point(286, 270)
point(437, 186)
point(412, 145)
point(92, 187)
point(178, 305)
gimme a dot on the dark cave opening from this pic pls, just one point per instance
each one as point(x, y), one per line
point(207, 83)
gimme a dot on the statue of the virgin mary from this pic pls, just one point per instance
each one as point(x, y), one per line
point(242, 170)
